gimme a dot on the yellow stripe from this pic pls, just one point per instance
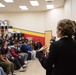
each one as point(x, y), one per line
point(29, 32)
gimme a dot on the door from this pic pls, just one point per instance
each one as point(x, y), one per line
point(48, 36)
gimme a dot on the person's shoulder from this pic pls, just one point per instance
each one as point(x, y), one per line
point(57, 42)
point(74, 41)
point(60, 42)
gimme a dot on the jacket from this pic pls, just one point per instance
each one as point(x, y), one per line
point(62, 55)
point(14, 52)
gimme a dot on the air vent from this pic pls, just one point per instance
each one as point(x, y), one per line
point(48, 0)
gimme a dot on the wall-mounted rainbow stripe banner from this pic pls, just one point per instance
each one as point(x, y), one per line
point(34, 35)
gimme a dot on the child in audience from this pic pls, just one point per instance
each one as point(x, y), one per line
point(30, 50)
point(4, 62)
point(24, 50)
point(12, 41)
point(24, 55)
point(16, 39)
point(15, 54)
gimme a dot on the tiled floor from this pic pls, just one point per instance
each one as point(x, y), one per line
point(34, 68)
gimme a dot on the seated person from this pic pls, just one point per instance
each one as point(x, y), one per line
point(24, 50)
point(4, 62)
point(15, 54)
point(11, 41)
point(30, 50)
point(1, 71)
point(20, 40)
point(39, 44)
point(24, 55)
point(16, 62)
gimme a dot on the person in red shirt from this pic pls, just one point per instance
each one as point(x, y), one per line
point(16, 55)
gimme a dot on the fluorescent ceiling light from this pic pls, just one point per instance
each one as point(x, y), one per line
point(34, 3)
point(49, 0)
point(1, 5)
point(8, 1)
point(23, 7)
point(50, 6)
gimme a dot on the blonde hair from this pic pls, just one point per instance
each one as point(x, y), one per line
point(66, 26)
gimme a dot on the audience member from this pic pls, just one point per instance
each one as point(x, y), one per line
point(12, 41)
point(30, 50)
point(15, 54)
point(24, 50)
point(4, 62)
point(24, 55)
point(39, 45)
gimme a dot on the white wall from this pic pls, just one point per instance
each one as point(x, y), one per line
point(33, 21)
point(66, 12)
point(41, 21)
point(74, 10)
point(68, 9)
point(52, 17)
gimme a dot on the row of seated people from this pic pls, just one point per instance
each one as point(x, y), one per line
point(11, 40)
point(16, 56)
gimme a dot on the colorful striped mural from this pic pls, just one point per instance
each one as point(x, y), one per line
point(34, 35)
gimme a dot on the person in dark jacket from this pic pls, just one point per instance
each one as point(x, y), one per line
point(12, 41)
point(24, 55)
point(23, 48)
point(39, 44)
point(62, 52)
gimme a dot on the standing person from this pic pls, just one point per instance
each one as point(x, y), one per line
point(62, 52)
